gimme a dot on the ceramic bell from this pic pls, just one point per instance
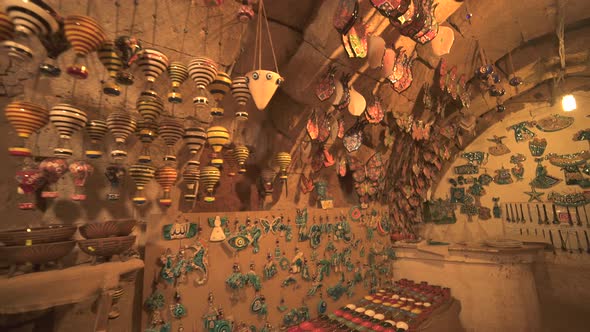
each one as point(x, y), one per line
point(202, 71)
point(26, 118)
point(262, 85)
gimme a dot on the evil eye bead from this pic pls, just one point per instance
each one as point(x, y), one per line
point(255, 76)
point(279, 81)
point(269, 76)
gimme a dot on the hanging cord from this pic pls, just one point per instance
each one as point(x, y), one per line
point(206, 31)
point(560, 32)
point(272, 49)
point(155, 18)
point(131, 26)
point(256, 47)
point(117, 7)
point(185, 29)
point(88, 3)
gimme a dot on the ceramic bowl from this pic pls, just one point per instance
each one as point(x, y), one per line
point(106, 247)
point(36, 235)
point(111, 228)
point(36, 253)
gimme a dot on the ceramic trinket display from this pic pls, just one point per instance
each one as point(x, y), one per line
point(26, 118)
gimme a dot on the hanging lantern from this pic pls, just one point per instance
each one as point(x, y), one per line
point(241, 94)
point(202, 71)
point(191, 176)
point(30, 179)
point(151, 62)
point(146, 132)
point(217, 137)
point(80, 171)
point(166, 177)
point(283, 160)
point(171, 131)
point(108, 56)
point(178, 73)
point(85, 35)
point(53, 169)
point(96, 130)
point(149, 106)
point(208, 177)
point(241, 153)
point(6, 27)
point(68, 119)
point(218, 89)
point(121, 124)
point(267, 176)
point(195, 138)
point(115, 174)
point(31, 17)
point(26, 118)
point(141, 175)
point(443, 42)
point(127, 47)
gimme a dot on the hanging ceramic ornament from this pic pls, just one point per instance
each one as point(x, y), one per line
point(85, 35)
point(26, 118)
point(267, 177)
point(217, 137)
point(146, 132)
point(218, 89)
point(202, 71)
point(120, 124)
point(151, 62)
point(107, 54)
point(55, 44)
point(178, 73)
point(500, 148)
point(80, 171)
point(126, 47)
point(209, 176)
point(68, 119)
point(96, 130)
point(217, 234)
point(149, 106)
point(374, 112)
point(53, 169)
point(30, 179)
point(542, 179)
point(283, 160)
point(241, 153)
point(357, 104)
point(376, 50)
point(521, 132)
point(191, 176)
point(115, 174)
point(443, 41)
point(31, 18)
point(171, 131)
point(6, 27)
point(263, 83)
point(166, 177)
point(537, 146)
point(141, 175)
point(241, 94)
point(18, 54)
point(194, 138)
point(353, 138)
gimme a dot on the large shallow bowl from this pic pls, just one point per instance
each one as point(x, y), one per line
point(36, 235)
point(109, 228)
point(106, 247)
point(36, 253)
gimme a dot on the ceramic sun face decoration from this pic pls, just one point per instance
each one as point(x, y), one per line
point(26, 118)
point(68, 119)
point(262, 85)
point(85, 35)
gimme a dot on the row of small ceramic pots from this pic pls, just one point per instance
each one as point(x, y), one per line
point(43, 245)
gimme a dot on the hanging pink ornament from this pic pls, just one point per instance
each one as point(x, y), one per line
point(29, 179)
point(80, 171)
point(53, 169)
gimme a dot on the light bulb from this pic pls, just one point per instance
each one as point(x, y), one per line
point(568, 103)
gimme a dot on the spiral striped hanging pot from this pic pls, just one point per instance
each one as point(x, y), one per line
point(191, 176)
point(141, 175)
point(85, 35)
point(149, 106)
point(26, 118)
point(283, 160)
point(17, 52)
point(146, 132)
point(195, 138)
point(108, 56)
point(6, 27)
point(178, 73)
point(32, 18)
point(217, 137)
point(121, 124)
point(171, 131)
point(151, 62)
point(241, 154)
point(96, 130)
point(241, 94)
point(67, 119)
point(209, 177)
point(166, 177)
point(202, 71)
point(218, 89)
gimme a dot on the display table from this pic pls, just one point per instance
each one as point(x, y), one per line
point(488, 282)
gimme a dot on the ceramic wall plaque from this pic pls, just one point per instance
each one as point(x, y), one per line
point(175, 231)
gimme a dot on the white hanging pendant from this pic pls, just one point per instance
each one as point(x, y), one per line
point(262, 85)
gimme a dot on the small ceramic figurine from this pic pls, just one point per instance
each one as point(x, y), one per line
point(217, 235)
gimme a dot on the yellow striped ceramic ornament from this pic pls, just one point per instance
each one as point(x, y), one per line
point(85, 35)
point(241, 154)
point(283, 160)
point(149, 106)
point(195, 138)
point(26, 118)
point(96, 130)
point(217, 137)
point(209, 177)
point(191, 176)
point(67, 119)
point(151, 62)
point(108, 56)
point(178, 73)
point(146, 132)
point(218, 89)
point(202, 71)
point(166, 177)
point(141, 175)
point(241, 94)
point(121, 124)
point(171, 131)
point(267, 176)
point(31, 17)
point(6, 27)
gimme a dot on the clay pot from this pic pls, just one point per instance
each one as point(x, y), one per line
point(53, 169)
point(36, 235)
point(357, 104)
point(217, 137)
point(166, 177)
point(283, 160)
point(241, 154)
point(191, 176)
point(240, 91)
point(195, 138)
point(171, 131)
point(443, 42)
point(151, 62)
point(376, 46)
point(36, 254)
point(17, 52)
point(110, 228)
point(220, 86)
point(6, 27)
point(262, 85)
point(141, 175)
point(107, 247)
point(202, 71)
point(31, 17)
point(209, 177)
point(26, 118)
